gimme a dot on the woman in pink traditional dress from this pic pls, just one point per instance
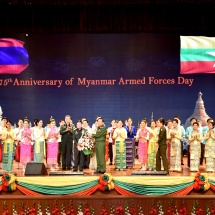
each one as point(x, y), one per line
point(152, 146)
point(169, 127)
point(25, 146)
point(52, 135)
point(143, 137)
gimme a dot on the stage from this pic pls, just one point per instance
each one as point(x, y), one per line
point(116, 188)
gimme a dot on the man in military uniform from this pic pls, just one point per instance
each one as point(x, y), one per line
point(100, 146)
point(162, 147)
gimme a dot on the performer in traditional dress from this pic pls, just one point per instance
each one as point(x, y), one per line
point(168, 138)
point(111, 141)
point(18, 132)
point(195, 139)
point(175, 152)
point(120, 134)
point(52, 145)
point(2, 127)
point(143, 137)
point(39, 142)
point(209, 137)
point(25, 146)
point(8, 137)
point(152, 148)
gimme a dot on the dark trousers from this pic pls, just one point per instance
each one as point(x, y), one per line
point(66, 148)
point(59, 153)
point(78, 159)
point(202, 153)
point(110, 152)
point(86, 161)
point(161, 154)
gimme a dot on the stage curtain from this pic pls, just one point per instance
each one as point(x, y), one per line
point(83, 18)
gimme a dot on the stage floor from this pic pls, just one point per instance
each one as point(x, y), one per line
point(111, 169)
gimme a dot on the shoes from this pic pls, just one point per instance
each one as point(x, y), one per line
point(75, 170)
point(81, 170)
point(110, 163)
point(52, 169)
point(64, 168)
point(68, 168)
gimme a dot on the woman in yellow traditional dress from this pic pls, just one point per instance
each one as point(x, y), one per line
point(8, 137)
point(195, 139)
point(120, 134)
point(209, 136)
point(175, 151)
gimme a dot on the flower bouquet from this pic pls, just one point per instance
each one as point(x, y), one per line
point(85, 144)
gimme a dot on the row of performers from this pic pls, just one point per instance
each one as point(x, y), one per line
point(201, 143)
point(148, 144)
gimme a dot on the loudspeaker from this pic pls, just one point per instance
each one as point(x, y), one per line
point(35, 169)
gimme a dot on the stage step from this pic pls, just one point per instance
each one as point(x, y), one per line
point(65, 173)
point(141, 172)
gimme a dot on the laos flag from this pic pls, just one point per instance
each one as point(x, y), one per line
point(13, 56)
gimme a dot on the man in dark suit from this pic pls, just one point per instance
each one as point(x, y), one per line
point(66, 131)
point(78, 155)
point(162, 147)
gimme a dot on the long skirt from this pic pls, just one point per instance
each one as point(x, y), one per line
point(8, 158)
point(175, 158)
point(25, 153)
point(152, 151)
point(210, 164)
point(52, 152)
point(143, 152)
point(195, 152)
point(120, 155)
point(39, 151)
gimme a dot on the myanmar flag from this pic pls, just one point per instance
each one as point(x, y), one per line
point(197, 54)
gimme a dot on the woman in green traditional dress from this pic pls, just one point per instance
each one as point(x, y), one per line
point(120, 134)
point(8, 138)
point(152, 147)
point(39, 144)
